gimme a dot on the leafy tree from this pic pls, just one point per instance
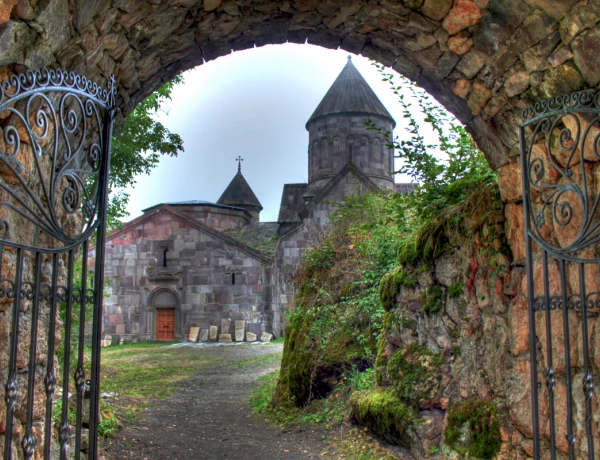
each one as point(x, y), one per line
point(137, 146)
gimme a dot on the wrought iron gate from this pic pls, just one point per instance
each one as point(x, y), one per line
point(55, 131)
point(560, 166)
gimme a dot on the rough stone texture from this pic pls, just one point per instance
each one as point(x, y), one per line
point(194, 334)
point(159, 41)
point(225, 338)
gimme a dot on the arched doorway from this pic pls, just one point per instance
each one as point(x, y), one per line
point(164, 318)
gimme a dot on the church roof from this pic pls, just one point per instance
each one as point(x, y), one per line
point(292, 203)
point(239, 193)
point(350, 93)
point(193, 203)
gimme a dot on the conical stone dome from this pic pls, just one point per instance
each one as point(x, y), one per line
point(239, 194)
point(350, 94)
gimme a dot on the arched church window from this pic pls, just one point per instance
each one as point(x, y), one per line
point(351, 149)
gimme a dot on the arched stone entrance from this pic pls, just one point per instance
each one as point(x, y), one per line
point(481, 59)
point(163, 315)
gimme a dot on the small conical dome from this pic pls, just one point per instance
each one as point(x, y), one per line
point(350, 93)
point(239, 194)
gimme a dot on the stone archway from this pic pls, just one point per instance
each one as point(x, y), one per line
point(481, 59)
point(161, 300)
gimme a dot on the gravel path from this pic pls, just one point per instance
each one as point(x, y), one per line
point(209, 418)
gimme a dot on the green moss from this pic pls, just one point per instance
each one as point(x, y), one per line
point(473, 428)
point(390, 285)
point(381, 361)
point(455, 290)
point(381, 411)
point(415, 373)
point(432, 299)
point(407, 252)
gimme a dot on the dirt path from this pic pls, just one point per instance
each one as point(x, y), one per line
point(209, 417)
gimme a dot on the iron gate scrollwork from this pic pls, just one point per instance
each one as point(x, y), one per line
point(55, 131)
point(560, 167)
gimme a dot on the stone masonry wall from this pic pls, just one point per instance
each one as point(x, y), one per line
point(330, 139)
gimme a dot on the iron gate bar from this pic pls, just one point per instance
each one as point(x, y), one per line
point(11, 384)
point(550, 381)
point(64, 431)
point(588, 384)
point(28, 442)
point(58, 111)
point(568, 377)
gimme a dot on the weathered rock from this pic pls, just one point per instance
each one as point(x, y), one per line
point(6, 8)
point(461, 87)
point(471, 63)
point(251, 337)
point(240, 327)
point(203, 337)
point(584, 49)
point(266, 337)
point(225, 338)
point(516, 83)
point(436, 9)
point(14, 38)
point(479, 97)
point(54, 19)
point(509, 178)
point(464, 13)
point(460, 43)
point(554, 9)
point(194, 333)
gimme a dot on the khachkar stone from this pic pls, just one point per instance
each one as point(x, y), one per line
point(251, 337)
point(203, 335)
point(266, 337)
point(225, 325)
point(212, 333)
point(240, 327)
point(225, 338)
point(194, 332)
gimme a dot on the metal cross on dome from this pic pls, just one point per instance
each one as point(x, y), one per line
point(239, 159)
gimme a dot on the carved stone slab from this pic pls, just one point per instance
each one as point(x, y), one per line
point(266, 337)
point(203, 335)
point(240, 326)
point(212, 333)
point(251, 337)
point(224, 337)
point(194, 333)
point(225, 325)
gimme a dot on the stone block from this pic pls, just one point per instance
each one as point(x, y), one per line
point(203, 337)
point(212, 333)
point(240, 326)
point(225, 338)
point(251, 337)
point(266, 337)
point(225, 325)
point(194, 333)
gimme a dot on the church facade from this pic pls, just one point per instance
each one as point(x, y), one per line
point(199, 264)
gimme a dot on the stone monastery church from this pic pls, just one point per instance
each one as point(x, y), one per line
point(195, 263)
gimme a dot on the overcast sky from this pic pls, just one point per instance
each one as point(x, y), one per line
point(252, 103)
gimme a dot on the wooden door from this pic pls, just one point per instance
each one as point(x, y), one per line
point(165, 323)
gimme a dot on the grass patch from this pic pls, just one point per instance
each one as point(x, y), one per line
point(142, 372)
point(262, 361)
